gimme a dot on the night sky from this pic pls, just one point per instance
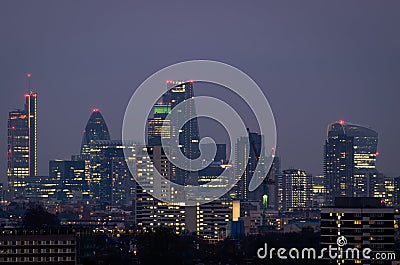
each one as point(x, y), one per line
point(316, 61)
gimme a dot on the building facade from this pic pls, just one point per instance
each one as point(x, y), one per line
point(70, 179)
point(364, 223)
point(57, 246)
point(294, 190)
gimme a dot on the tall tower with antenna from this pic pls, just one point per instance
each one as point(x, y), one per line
point(22, 144)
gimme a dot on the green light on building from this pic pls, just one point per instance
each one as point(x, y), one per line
point(162, 109)
point(265, 200)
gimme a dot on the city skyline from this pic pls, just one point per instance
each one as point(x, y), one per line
point(344, 69)
point(96, 114)
point(187, 132)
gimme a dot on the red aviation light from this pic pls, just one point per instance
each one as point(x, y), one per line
point(341, 122)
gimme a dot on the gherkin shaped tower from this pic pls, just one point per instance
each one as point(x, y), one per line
point(96, 129)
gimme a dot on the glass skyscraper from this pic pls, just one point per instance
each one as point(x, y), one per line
point(251, 144)
point(348, 149)
point(111, 180)
point(179, 91)
point(96, 129)
point(22, 145)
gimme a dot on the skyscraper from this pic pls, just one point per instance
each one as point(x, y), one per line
point(348, 149)
point(248, 165)
point(155, 129)
point(96, 129)
point(111, 180)
point(188, 135)
point(270, 186)
point(294, 190)
point(22, 145)
point(149, 211)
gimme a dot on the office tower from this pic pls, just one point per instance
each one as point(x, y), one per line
point(372, 183)
point(96, 129)
point(149, 211)
point(155, 129)
point(252, 145)
point(366, 182)
point(214, 171)
point(22, 145)
point(364, 222)
point(213, 219)
point(381, 186)
point(70, 179)
point(111, 180)
point(189, 133)
point(348, 148)
point(294, 190)
point(390, 191)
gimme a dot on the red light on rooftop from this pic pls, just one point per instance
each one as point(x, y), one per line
point(28, 75)
point(13, 128)
point(34, 95)
point(27, 95)
point(169, 81)
point(95, 110)
point(341, 122)
point(377, 153)
point(191, 81)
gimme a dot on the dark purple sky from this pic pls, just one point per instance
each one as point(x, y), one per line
point(316, 61)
